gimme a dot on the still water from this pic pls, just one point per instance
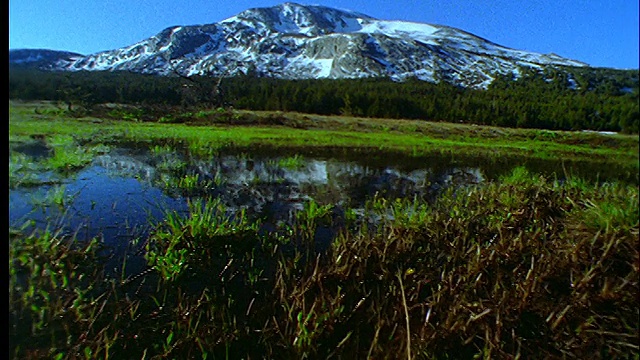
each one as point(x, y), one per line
point(126, 190)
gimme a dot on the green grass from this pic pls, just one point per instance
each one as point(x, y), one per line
point(292, 162)
point(417, 138)
point(55, 285)
point(181, 243)
point(67, 155)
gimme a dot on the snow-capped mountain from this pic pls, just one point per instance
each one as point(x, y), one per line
point(294, 41)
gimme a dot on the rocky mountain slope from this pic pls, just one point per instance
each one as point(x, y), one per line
point(42, 58)
point(293, 41)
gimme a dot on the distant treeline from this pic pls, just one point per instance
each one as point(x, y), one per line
point(560, 99)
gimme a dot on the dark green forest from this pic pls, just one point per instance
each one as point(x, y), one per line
point(555, 98)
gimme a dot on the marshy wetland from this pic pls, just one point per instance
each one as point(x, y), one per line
point(236, 234)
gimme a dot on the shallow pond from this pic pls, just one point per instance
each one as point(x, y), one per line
point(126, 190)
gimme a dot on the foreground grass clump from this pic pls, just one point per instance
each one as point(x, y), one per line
point(57, 296)
point(526, 267)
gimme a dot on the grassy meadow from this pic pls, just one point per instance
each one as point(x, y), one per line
point(206, 132)
point(524, 266)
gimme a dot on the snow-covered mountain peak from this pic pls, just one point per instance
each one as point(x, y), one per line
point(296, 41)
point(291, 18)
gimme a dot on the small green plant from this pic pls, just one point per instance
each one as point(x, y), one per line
point(410, 214)
point(189, 182)
point(67, 156)
point(520, 176)
point(294, 162)
point(162, 150)
point(23, 171)
point(56, 196)
point(59, 197)
point(200, 148)
point(182, 240)
point(171, 164)
point(612, 212)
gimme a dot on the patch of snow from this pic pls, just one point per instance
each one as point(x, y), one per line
point(230, 20)
point(601, 132)
point(417, 31)
point(348, 25)
point(424, 74)
point(325, 66)
point(573, 85)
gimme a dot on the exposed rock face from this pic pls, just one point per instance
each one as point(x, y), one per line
point(294, 42)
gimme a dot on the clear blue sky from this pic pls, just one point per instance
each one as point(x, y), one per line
point(602, 33)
